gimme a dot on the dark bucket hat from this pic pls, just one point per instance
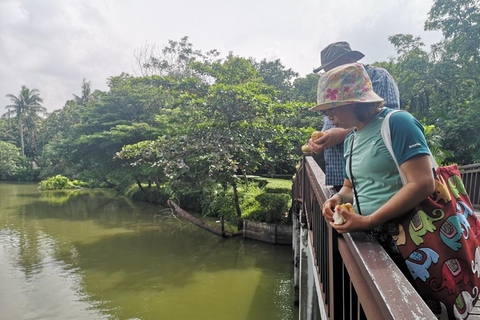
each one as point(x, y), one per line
point(335, 51)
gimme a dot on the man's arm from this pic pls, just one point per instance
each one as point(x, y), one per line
point(331, 138)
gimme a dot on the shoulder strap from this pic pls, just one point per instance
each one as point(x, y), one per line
point(387, 139)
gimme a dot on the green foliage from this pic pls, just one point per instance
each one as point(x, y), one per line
point(223, 205)
point(442, 86)
point(26, 108)
point(305, 89)
point(273, 207)
point(434, 141)
point(271, 185)
point(9, 160)
point(148, 194)
point(267, 200)
point(60, 182)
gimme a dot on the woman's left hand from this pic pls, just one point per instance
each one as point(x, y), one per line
point(354, 222)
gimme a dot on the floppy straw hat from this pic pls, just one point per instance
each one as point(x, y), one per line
point(345, 84)
point(335, 51)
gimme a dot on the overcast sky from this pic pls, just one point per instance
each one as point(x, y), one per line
point(52, 45)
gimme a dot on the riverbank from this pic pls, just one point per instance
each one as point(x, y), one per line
point(260, 199)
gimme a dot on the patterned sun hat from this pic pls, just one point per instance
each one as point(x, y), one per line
point(345, 84)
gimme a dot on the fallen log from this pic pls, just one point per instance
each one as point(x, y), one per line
point(182, 213)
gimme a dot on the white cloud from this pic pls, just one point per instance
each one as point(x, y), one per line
point(51, 45)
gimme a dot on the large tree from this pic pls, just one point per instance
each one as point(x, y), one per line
point(26, 108)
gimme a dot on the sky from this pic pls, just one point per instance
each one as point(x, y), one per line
point(52, 45)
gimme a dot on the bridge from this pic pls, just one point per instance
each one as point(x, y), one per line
point(350, 276)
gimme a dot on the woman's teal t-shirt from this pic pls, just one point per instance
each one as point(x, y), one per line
point(376, 175)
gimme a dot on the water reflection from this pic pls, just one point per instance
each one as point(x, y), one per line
point(92, 255)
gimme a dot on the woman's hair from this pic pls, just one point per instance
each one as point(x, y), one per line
point(364, 111)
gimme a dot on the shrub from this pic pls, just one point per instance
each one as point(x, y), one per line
point(60, 182)
point(222, 205)
point(273, 207)
point(57, 182)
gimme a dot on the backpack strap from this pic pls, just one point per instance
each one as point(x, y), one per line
point(387, 139)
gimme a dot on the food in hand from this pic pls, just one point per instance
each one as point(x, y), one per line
point(317, 135)
point(337, 217)
point(306, 149)
point(298, 166)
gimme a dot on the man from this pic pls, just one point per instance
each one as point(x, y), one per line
point(334, 55)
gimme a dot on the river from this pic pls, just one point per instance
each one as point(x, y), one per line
point(90, 254)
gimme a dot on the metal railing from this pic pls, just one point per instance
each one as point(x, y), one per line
point(356, 277)
point(471, 179)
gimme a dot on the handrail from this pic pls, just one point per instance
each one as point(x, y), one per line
point(471, 179)
point(356, 277)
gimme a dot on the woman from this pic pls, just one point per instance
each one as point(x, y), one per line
point(345, 95)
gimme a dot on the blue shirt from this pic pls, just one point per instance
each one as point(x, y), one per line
point(384, 85)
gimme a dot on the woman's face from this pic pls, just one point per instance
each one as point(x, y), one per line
point(342, 117)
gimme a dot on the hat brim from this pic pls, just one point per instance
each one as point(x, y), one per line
point(331, 105)
point(355, 55)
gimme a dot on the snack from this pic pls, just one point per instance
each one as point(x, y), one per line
point(306, 149)
point(317, 135)
point(338, 218)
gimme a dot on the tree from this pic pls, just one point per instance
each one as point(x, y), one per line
point(276, 75)
point(26, 107)
point(305, 89)
point(87, 94)
point(9, 159)
point(173, 60)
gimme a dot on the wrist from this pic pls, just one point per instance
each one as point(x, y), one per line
point(340, 196)
point(372, 222)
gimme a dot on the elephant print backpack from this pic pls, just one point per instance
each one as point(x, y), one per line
point(440, 242)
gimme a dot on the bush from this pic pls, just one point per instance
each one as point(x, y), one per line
point(60, 182)
point(273, 207)
point(223, 205)
point(267, 200)
point(57, 182)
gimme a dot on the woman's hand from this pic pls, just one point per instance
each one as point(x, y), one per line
point(343, 196)
point(354, 222)
point(329, 206)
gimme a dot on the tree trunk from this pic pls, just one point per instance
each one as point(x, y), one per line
point(20, 130)
point(157, 183)
point(246, 180)
point(198, 222)
point(237, 207)
point(140, 185)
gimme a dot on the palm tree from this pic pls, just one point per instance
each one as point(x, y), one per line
point(86, 94)
point(25, 108)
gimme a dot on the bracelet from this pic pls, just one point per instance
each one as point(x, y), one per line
point(341, 196)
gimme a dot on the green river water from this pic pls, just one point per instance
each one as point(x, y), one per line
point(90, 254)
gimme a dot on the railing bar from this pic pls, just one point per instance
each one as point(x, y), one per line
point(469, 166)
point(386, 282)
point(360, 285)
point(476, 191)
